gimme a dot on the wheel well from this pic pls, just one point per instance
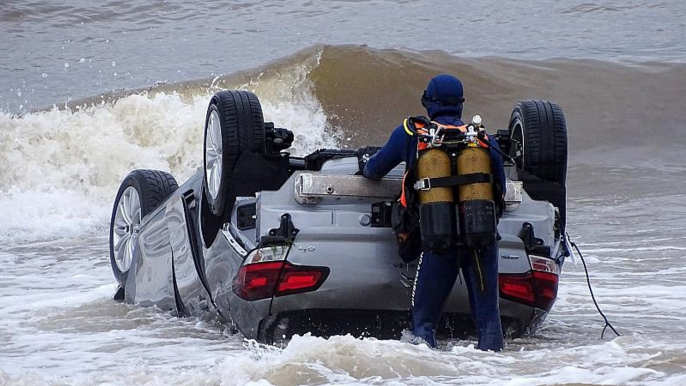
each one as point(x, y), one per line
point(209, 223)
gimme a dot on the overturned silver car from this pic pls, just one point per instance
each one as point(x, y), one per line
point(280, 245)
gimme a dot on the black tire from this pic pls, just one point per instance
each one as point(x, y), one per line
point(541, 159)
point(242, 129)
point(541, 129)
point(152, 188)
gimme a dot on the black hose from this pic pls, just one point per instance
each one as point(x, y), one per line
point(506, 156)
point(590, 289)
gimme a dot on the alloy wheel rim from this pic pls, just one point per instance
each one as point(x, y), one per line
point(213, 154)
point(127, 220)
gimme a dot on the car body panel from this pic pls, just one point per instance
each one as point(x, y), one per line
point(193, 297)
point(152, 281)
point(174, 269)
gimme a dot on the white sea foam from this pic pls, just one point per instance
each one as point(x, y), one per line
point(63, 166)
point(345, 360)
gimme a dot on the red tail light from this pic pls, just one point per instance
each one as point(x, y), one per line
point(257, 281)
point(537, 288)
point(546, 283)
point(277, 278)
point(293, 281)
point(517, 287)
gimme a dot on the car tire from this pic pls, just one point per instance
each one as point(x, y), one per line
point(541, 160)
point(541, 129)
point(234, 124)
point(139, 194)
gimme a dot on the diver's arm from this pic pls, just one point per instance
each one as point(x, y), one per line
point(388, 157)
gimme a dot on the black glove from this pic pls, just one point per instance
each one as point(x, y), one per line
point(363, 155)
point(498, 199)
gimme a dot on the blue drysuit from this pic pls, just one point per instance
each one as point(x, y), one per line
point(436, 273)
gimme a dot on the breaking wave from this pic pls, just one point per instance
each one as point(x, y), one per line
point(61, 166)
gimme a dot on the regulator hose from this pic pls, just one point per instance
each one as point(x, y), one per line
point(590, 289)
point(506, 156)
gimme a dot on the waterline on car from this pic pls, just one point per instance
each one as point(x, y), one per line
point(123, 344)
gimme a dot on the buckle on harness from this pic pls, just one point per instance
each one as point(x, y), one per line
point(423, 184)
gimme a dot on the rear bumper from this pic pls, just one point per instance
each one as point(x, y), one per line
point(255, 321)
point(277, 329)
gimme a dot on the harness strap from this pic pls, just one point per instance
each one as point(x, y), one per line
point(407, 128)
point(442, 182)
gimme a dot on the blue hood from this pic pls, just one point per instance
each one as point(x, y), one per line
point(443, 96)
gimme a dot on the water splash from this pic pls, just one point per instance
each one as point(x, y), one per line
point(63, 166)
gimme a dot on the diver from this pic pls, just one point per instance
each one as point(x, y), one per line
point(438, 270)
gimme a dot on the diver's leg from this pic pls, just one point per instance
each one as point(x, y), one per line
point(483, 287)
point(435, 278)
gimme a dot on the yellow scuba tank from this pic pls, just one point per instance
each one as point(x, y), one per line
point(474, 159)
point(475, 199)
point(454, 167)
point(436, 204)
point(434, 163)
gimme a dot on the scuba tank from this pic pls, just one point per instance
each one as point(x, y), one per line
point(436, 205)
point(454, 165)
point(476, 204)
